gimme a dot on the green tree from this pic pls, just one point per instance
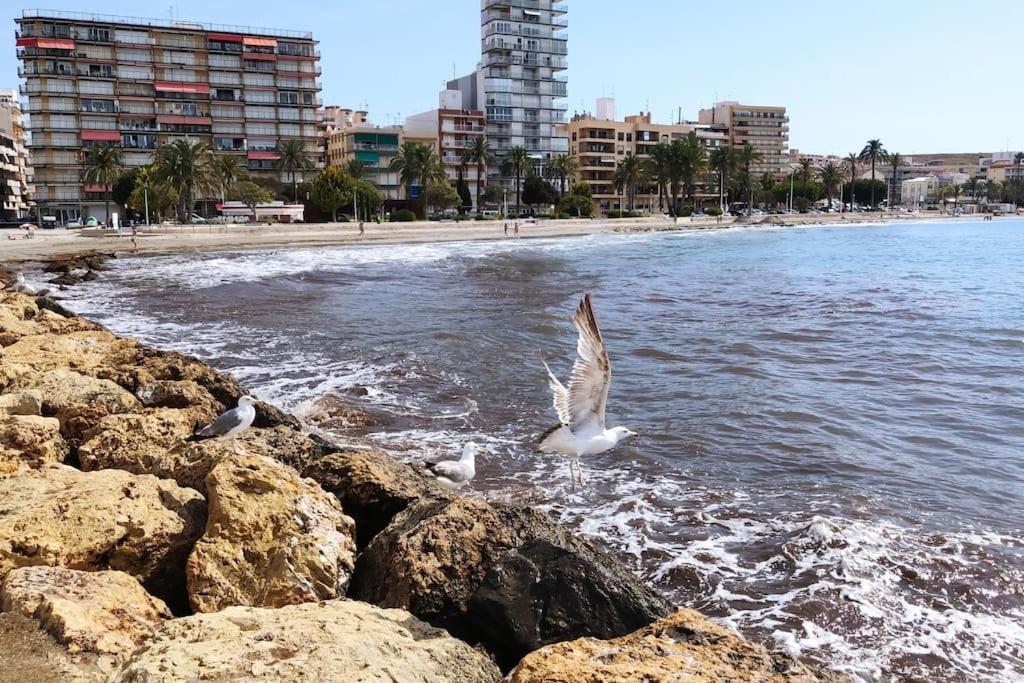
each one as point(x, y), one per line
point(806, 169)
point(123, 187)
point(152, 195)
point(894, 159)
point(479, 152)
point(292, 158)
point(659, 169)
point(225, 171)
point(441, 195)
point(692, 156)
point(332, 189)
point(103, 166)
point(994, 190)
point(250, 194)
point(873, 153)
point(630, 173)
point(519, 164)
point(579, 202)
point(187, 167)
point(973, 188)
point(369, 197)
point(465, 198)
point(748, 156)
point(850, 163)
point(538, 192)
point(563, 168)
point(356, 169)
point(767, 184)
point(831, 178)
point(723, 162)
point(417, 165)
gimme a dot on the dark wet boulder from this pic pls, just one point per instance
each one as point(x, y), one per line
point(506, 577)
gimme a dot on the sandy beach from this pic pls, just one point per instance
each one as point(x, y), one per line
point(176, 239)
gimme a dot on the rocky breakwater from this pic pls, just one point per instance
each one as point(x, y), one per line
point(128, 554)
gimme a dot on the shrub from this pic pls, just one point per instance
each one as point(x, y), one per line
point(613, 213)
point(403, 216)
point(713, 211)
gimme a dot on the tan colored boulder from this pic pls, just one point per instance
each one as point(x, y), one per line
point(98, 616)
point(134, 442)
point(340, 641)
point(61, 517)
point(28, 654)
point(21, 403)
point(79, 351)
point(51, 322)
point(184, 395)
point(13, 327)
point(272, 538)
point(21, 305)
point(31, 441)
point(684, 646)
point(78, 401)
point(372, 486)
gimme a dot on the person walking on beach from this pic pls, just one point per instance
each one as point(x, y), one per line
point(517, 229)
point(362, 230)
point(506, 228)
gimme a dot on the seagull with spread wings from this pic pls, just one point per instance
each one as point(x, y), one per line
point(580, 406)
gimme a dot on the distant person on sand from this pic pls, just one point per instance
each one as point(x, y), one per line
point(506, 228)
point(362, 230)
point(517, 230)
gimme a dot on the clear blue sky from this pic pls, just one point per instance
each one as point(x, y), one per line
point(921, 75)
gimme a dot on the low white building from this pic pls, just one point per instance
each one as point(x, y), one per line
point(277, 211)
point(917, 191)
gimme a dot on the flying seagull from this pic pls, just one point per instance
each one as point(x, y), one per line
point(230, 424)
point(580, 406)
point(455, 474)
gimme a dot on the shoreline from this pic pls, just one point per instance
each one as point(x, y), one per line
point(169, 240)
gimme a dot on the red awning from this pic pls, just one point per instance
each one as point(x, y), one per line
point(95, 188)
point(47, 43)
point(191, 120)
point(106, 135)
point(229, 37)
point(259, 42)
point(274, 156)
point(259, 56)
point(166, 86)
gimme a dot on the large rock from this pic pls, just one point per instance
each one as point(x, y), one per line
point(682, 647)
point(51, 322)
point(29, 654)
point(61, 517)
point(13, 326)
point(272, 538)
point(504, 576)
point(31, 441)
point(98, 616)
point(79, 351)
point(185, 395)
point(339, 641)
point(78, 401)
point(372, 486)
point(21, 403)
point(137, 443)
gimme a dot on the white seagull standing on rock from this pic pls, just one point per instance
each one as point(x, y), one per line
point(230, 424)
point(455, 474)
point(20, 285)
point(580, 406)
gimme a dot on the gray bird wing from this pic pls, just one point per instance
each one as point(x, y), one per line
point(450, 469)
point(223, 424)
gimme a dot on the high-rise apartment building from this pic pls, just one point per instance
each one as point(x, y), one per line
point(520, 83)
point(14, 163)
point(599, 144)
point(141, 83)
point(766, 129)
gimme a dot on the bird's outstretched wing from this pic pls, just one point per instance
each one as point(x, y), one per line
point(559, 393)
point(222, 425)
point(591, 373)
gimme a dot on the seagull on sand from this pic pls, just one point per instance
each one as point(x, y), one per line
point(580, 406)
point(230, 424)
point(455, 474)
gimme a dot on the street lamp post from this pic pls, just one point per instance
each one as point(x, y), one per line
point(145, 197)
point(791, 190)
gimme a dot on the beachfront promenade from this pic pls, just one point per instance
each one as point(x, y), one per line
point(175, 239)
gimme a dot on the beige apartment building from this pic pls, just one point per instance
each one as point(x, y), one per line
point(600, 143)
point(450, 130)
point(373, 146)
point(766, 129)
point(15, 170)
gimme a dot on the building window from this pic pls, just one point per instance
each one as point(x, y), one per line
point(104, 106)
point(622, 136)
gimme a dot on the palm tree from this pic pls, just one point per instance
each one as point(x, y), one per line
point(628, 175)
point(767, 184)
point(292, 158)
point(417, 163)
point(226, 170)
point(895, 160)
point(659, 169)
point(355, 168)
point(520, 165)
point(973, 188)
point(479, 153)
point(103, 166)
point(693, 159)
point(187, 167)
point(806, 169)
point(874, 153)
point(563, 167)
point(993, 190)
point(851, 161)
point(747, 158)
point(831, 177)
point(722, 161)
